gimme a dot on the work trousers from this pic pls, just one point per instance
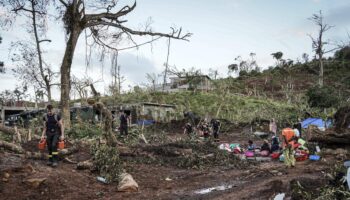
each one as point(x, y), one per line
point(216, 134)
point(123, 130)
point(52, 142)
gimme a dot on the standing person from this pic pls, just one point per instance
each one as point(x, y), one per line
point(296, 132)
point(53, 131)
point(123, 123)
point(273, 126)
point(188, 129)
point(299, 126)
point(288, 138)
point(215, 124)
point(205, 128)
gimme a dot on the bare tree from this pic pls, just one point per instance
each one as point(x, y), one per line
point(318, 43)
point(32, 69)
point(20, 93)
point(117, 78)
point(107, 28)
point(28, 70)
point(152, 79)
point(247, 65)
point(80, 86)
point(305, 57)
point(213, 73)
point(232, 68)
point(166, 65)
point(278, 56)
point(2, 69)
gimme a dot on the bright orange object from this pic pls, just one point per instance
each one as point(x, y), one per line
point(42, 144)
point(61, 144)
point(288, 133)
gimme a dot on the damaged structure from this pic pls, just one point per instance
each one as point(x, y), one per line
point(146, 112)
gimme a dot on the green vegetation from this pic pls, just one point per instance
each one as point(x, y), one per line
point(84, 130)
point(107, 161)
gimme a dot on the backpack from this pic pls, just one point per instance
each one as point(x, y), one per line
point(58, 128)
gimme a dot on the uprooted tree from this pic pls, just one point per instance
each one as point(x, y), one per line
point(106, 28)
point(340, 134)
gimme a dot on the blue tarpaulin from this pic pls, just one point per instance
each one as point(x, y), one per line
point(145, 122)
point(316, 122)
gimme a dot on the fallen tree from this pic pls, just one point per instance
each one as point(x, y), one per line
point(36, 155)
point(340, 134)
point(342, 119)
point(329, 136)
point(18, 133)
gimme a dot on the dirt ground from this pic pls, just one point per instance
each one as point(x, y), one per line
point(259, 181)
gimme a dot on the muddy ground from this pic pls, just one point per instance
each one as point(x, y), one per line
point(254, 181)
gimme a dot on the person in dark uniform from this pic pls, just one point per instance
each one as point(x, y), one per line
point(123, 123)
point(53, 132)
point(215, 124)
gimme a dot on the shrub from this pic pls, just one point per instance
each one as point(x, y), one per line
point(107, 161)
point(324, 97)
point(82, 130)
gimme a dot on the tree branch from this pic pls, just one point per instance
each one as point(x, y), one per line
point(64, 3)
point(175, 33)
point(112, 16)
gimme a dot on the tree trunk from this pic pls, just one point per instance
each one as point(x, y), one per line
point(37, 41)
point(65, 75)
point(329, 136)
point(11, 147)
point(166, 65)
point(107, 120)
point(320, 79)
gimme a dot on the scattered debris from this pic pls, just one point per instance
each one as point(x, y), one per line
point(102, 180)
point(280, 196)
point(35, 182)
point(211, 189)
point(127, 183)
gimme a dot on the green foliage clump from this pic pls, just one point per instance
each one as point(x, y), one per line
point(191, 154)
point(84, 130)
point(334, 188)
point(107, 161)
point(323, 97)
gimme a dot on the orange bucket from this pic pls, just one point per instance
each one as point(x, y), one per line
point(42, 144)
point(61, 144)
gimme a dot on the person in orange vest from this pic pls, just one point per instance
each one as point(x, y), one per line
point(288, 138)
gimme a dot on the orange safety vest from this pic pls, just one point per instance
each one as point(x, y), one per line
point(288, 134)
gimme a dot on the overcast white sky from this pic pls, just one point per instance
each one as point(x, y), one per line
point(222, 30)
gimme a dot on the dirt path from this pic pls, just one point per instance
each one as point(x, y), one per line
point(156, 182)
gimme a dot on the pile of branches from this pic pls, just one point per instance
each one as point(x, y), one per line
point(333, 186)
point(184, 154)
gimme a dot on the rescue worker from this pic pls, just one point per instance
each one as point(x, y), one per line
point(215, 124)
point(288, 138)
point(123, 123)
point(53, 132)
